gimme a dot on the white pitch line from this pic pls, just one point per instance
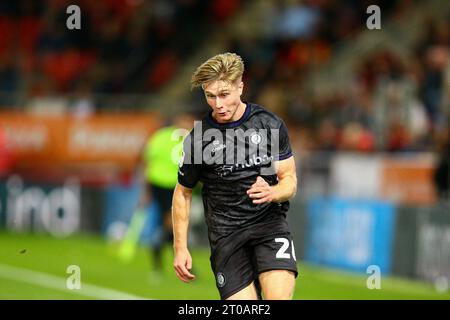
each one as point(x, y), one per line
point(59, 283)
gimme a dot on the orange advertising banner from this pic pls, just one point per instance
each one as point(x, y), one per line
point(408, 182)
point(64, 141)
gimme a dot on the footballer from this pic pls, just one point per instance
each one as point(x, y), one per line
point(241, 154)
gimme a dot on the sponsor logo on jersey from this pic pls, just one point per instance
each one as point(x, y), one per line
point(254, 161)
point(217, 146)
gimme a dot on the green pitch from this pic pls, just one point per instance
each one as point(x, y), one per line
point(36, 267)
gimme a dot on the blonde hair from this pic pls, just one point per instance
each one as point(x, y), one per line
point(226, 66)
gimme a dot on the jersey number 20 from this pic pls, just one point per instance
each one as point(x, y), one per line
point(281, 254)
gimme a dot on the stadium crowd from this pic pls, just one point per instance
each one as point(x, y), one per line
point(122, 46)
point(134, 46)
point(393, 103)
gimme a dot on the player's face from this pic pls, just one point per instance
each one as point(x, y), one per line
point(225, 100)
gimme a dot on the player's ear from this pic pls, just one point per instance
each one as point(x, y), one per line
point(241, 87)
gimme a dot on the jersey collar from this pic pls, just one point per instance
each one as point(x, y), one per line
point(232, 124)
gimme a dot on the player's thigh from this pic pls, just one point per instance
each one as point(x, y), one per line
point(276, 264)
point(248, 293)
point(232, 264)
point(277, 284)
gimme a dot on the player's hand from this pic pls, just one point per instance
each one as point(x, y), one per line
point(260, 191)
point(183, 264)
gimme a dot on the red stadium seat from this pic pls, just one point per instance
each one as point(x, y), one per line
point(164, 69)
point(65, 66)
point(7, 33)
point(29, 31)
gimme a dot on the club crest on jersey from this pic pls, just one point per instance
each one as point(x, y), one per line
point(221, 280)
point(256, 138)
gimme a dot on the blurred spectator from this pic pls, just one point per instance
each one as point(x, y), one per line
point(355, 138)
point(432, 91)
point(9, 75)
point(327, 135)
point(6, 157)
point(297, 20)
point(222, 10)
point(433, 53)
point(398, 138)
point(83, 105)
point(442, 171)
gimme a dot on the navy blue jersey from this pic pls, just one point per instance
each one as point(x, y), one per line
point(227, 158)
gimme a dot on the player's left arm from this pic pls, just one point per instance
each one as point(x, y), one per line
point(286, 188)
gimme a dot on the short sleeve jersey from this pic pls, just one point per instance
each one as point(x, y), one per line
point(227, 158)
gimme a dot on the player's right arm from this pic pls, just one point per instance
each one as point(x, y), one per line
point(181, 204)
point(188, 176)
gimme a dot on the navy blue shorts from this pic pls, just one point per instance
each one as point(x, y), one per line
point(241, 256)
